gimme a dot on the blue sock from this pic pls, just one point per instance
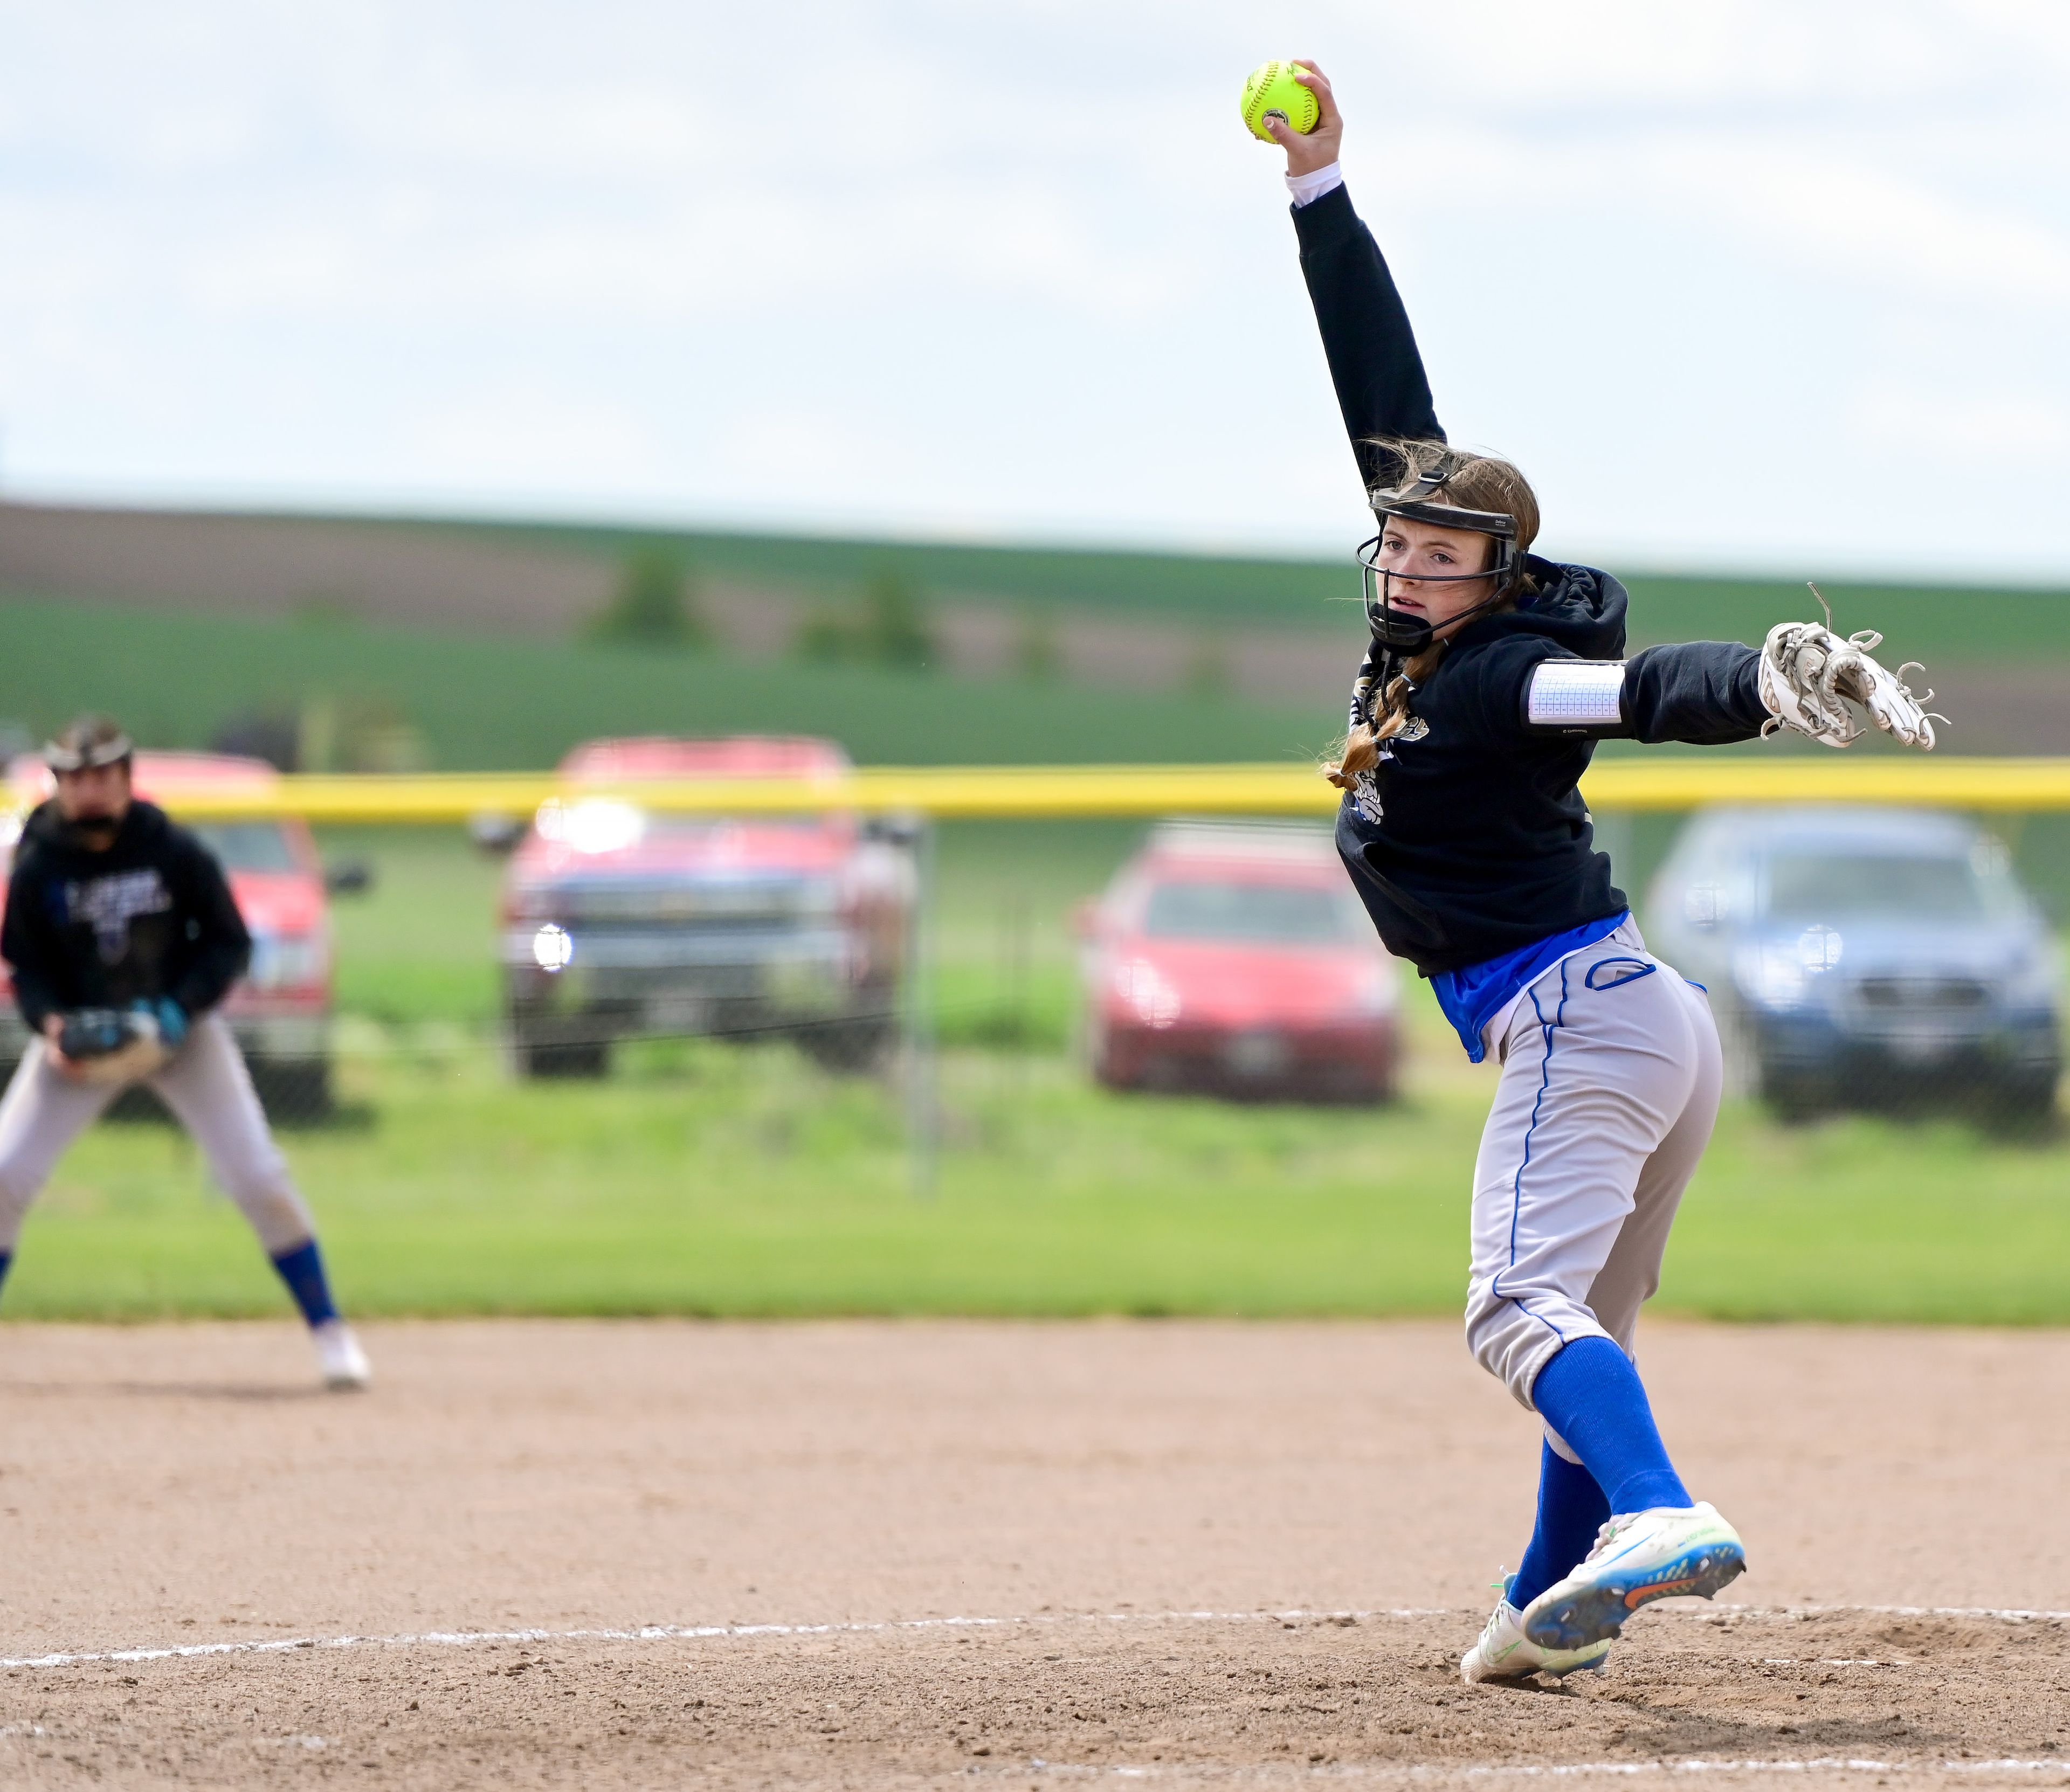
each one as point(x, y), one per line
point(7, 1262)
point(1592, 1396)
point(302, 1270)
point(1571, 1510)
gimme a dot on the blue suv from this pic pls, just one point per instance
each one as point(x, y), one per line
point(1866, 957)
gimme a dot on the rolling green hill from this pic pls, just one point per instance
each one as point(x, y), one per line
point(464, 699)
point(480, 704)
point(1229, 591)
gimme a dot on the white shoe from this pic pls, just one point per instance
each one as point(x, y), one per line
point(1505, 1653)
point(1639, 1556)
point(343, 1364)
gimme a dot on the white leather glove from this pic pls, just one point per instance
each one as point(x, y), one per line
point(1809, 674)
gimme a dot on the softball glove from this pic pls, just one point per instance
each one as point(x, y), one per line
point(1809, 676)
point(112, 1045)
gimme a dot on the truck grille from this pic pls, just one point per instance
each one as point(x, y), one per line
point(659, 946)
point(1886, 993)
point(764, 904)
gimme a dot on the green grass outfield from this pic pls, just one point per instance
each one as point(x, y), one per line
point(710, 1180)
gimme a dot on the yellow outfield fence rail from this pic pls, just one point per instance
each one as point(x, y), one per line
point(1008, 792)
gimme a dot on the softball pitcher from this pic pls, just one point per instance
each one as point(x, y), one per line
point(1491, 674)
point(122, 939)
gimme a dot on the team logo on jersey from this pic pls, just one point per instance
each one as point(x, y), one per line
point(1412, 729)
point(1366, 798)
point(109, 904)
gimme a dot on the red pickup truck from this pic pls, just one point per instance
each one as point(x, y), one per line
point(620, 922)
point(280, 1010)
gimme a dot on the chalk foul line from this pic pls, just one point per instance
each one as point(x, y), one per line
point(691, 1633)
point(1570, 1770)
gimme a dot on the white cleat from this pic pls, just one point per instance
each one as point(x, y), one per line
point(345, 1369)
point(1639, 1556)
point(1505, 1653)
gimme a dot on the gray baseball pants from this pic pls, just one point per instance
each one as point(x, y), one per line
point(1611, 1072)
point(209, 1091)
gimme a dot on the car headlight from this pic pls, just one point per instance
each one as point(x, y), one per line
point(1375, 991)
point(1779, 973)
point(1147, 991)
point(2035, 978)
point(1771, 977)
point(552, 948)
point(288, 960)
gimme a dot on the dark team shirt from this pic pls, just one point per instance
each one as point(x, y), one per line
point(1470, 840)
point(151, 916)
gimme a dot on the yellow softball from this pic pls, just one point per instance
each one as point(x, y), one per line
point(1269, 90)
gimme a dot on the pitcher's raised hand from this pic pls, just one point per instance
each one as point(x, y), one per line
point(1319, 148)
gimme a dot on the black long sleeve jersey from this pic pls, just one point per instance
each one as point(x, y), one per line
point(150, 916)
point(1470, 839)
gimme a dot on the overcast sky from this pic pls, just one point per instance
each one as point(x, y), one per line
point(1776, 283)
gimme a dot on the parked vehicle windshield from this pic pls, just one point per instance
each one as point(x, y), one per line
point(1876, 886)
point(247, 845)
point(1276, 914)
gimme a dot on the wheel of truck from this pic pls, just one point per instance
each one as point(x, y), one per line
point(2021, 1105)
point(849, 1048)
point(552, 1058)
point(540, 1045)
point(1107, 1077)
point(295, 1094)
point(1791, 1096)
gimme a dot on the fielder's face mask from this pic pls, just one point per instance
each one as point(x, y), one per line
point(87, 748)
point(72, 753)
point(1403, 633)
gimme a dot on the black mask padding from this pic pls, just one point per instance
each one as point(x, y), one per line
point(1405, 636)
point(96, 832)
point(1402, 635)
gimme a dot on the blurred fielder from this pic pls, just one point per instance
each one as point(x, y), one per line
point(1491, 674)
point(123, 939)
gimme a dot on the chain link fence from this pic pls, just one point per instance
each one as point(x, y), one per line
point(1866, 958)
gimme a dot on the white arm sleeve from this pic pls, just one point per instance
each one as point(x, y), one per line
point(1307, 189)
point(1575, 696)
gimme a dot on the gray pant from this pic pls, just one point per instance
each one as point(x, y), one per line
point(1610, 1078)
point(207, 1087)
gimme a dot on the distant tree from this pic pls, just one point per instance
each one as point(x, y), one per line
point(1208, 672)
point(826, 635)
point(895, 629)
point(888, 625)
point(274, 735)
point(654, 605)
point(1038, 652)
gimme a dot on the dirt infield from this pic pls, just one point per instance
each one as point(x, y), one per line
point(892, 1554)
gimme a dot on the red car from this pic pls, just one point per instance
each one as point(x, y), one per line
point(280, 1010)
point(620, 923)
point(1238, 960)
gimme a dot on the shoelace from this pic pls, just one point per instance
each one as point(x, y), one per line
point(1499, 1584)
point(1610, 1532)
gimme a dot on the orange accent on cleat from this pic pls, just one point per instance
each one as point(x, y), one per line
point(1659, 1589)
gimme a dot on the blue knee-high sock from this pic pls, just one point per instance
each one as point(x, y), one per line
point(7, 1262)
point(1592, 1396)
point(1571, 1510)
point(302, 1270)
